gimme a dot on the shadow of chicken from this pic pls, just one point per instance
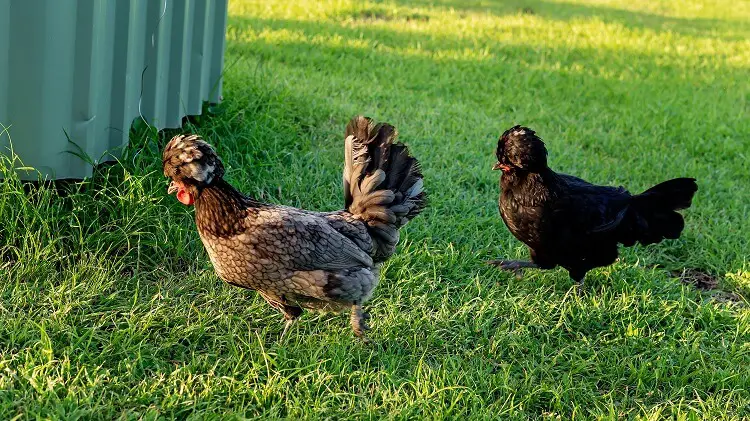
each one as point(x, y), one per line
point(568, 222)
point(297, 259)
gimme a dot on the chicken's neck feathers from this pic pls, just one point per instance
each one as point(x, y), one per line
point(220, 209)
point(529, 188)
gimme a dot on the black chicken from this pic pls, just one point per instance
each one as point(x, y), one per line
point(568, 222)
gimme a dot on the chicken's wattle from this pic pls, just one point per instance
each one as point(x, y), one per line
point(184, 197)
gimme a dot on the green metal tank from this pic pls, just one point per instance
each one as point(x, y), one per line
point(81, 69)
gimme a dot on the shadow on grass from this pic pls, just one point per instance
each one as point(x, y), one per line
point(730, 30)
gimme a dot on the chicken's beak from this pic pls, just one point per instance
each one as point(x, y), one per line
point(500, 166)
point(172, 189)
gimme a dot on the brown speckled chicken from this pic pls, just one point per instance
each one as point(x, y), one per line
point(298, 259)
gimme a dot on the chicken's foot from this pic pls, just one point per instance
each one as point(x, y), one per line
point(358, 321)
point(287, 324)
point(577, 276)
point(515, 266)
point(291, 314)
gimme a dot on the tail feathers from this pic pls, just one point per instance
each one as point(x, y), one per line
point(654, 215)
point(383, 184)
point(674, 194)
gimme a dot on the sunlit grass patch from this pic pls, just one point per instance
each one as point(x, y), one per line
point(110, 309)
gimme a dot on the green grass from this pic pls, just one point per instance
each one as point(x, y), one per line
point(110, 309)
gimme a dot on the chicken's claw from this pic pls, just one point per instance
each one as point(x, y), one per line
point(357, 319)
point(515, 266)
point(287, 325)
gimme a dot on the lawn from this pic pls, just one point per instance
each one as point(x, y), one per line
point(110, 309)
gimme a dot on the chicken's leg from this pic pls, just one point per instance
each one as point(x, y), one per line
point(515, 266)
point(287, 324)
point(291, 314)
point(512, 265)
point(578, 276)
point(358, 321)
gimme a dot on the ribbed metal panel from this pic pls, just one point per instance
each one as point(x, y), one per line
point(77, 67)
